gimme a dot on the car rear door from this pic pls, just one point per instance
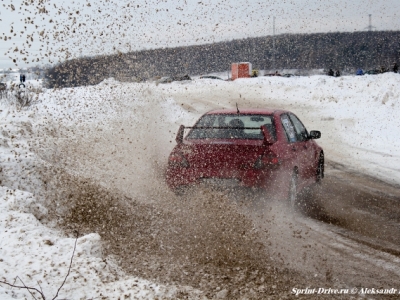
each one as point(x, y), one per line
point(305, 147)
point(290, 149)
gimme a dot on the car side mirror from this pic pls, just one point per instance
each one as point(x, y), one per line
point(179, 135)
point(268, 139)
point(315, 134)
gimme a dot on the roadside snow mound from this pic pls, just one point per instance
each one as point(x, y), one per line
point(23, 202)
point(40, 257)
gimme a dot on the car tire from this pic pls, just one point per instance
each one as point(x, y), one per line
point(320, 169)
point(179, 191)
point(292, 193)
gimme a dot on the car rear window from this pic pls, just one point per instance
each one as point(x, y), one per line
point(231, 126)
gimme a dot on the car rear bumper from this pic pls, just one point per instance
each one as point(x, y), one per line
point(264, 178)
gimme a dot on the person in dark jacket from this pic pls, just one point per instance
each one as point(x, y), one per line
point(395, 68)
point(330, 72)
point(337, 73)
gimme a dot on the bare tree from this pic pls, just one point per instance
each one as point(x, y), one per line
point(41, 293)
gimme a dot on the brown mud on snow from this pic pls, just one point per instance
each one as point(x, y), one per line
point(200, 240)
point(208, 240)
point(224, 244)
point(238, 244)
point(232, 244)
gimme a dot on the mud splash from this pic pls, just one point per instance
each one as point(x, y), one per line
point(201, 240)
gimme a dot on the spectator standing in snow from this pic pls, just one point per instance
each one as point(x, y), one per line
point(395, 68)
point(337, 73)
point(330, 72)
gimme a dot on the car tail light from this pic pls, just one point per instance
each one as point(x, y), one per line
point(268, 160)
point(177, 160)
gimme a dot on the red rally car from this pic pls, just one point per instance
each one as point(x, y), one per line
point(259, 148)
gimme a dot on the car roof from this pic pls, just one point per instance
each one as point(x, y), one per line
point(261, 111)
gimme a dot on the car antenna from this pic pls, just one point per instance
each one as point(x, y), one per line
point(238, 112)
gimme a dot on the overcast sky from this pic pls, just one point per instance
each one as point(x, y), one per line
point(56, 30)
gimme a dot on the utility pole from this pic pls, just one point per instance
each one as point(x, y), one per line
point(370, 27)
point(370, 23)
point(273, 43)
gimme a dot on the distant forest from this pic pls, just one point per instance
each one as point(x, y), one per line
point(343, 51)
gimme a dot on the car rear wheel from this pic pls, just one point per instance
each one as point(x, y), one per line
point(292, 195)
point(180, 191)
point(320, 168)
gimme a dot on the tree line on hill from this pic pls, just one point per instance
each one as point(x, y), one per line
point(338, 50)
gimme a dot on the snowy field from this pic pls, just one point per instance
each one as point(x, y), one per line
point(69, 128)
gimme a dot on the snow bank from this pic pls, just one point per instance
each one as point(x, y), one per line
point(41, 257)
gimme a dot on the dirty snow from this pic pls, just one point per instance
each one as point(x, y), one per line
point(356, 115)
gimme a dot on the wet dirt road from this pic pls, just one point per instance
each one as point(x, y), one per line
point(347, 232)
point(343, 235)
